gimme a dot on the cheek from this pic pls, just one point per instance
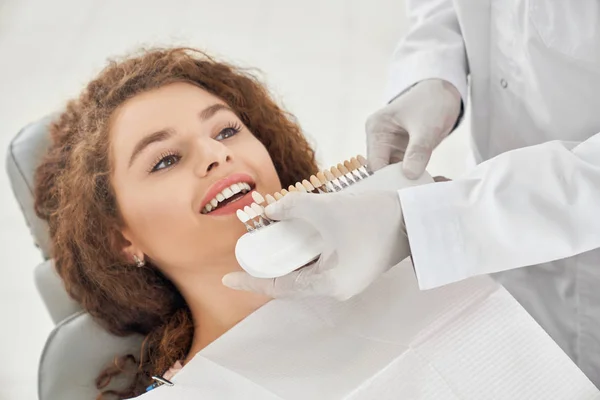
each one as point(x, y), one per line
point(263, 165)
point(156, 211)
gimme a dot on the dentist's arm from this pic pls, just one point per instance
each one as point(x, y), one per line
point(522, 208)
point(428, 80)
point(433, 48)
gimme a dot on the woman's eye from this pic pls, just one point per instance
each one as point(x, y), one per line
point(228, 132)
point(166, 162)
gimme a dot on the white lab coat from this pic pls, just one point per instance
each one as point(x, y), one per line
point(534, 69)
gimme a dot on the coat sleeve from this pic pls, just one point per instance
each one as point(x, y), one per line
point(433, 48)
point(524, 207)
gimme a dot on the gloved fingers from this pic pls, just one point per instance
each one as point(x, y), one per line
point(386, 140)
point(295, 205)
point(298, 283)
point(441, 178)
point(378, 154)
point(397, 155)
point(418, 153)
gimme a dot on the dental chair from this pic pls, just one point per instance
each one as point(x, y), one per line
point(78, 348)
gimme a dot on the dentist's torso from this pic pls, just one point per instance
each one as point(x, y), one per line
point(535, 77)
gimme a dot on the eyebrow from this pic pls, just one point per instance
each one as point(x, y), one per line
point(165, 134)
point(146, 141)
point(210, 111)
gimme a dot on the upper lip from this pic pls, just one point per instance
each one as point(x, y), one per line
point(219, 185)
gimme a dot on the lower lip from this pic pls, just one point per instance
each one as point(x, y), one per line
point(232, 208)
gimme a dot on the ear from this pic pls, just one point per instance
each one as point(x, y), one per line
point(129, 248)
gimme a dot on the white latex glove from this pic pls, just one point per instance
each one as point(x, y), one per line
point(412, 125)
point(364, 236)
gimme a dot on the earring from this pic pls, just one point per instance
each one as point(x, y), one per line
point(139, 263)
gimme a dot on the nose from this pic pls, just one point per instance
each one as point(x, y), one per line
point(213, 154)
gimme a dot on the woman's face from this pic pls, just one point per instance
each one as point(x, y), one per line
point(176, 152)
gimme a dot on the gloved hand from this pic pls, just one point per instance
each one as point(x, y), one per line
point(412, 125)
point(363, 235)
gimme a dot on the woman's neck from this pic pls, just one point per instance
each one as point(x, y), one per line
point(215, 308)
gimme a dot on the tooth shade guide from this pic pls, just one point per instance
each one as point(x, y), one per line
point(300, 188)
point(242, 216)
point(364, 163)
point(308, 186)
point(343, 169)
point(315, 181)
point(321, 176)
point(328, 176)
point(251, 213)
point(355, 163)
point(348, 165)
point(257, 197)
point(257, 209)
point(336, 172)
point(332, 181)
point(270, 199)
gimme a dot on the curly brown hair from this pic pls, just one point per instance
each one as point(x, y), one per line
point(74, 194)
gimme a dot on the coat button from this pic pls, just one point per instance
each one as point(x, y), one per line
point(503, 83)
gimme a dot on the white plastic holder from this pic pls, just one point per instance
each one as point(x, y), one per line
point(280, 248)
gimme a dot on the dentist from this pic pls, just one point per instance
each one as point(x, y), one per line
point(534, 199)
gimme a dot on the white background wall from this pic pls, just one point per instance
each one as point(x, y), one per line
point(325, 60)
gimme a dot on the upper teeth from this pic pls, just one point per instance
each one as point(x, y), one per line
point(226, 194)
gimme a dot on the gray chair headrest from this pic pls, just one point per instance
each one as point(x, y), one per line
point(24, 155)
point(52, 290)
point(76, 351)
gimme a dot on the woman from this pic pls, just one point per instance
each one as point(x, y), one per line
point(129, 187)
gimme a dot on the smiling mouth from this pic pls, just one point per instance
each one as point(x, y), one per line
point(227, 196)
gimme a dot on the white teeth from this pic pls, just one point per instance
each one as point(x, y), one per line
point(227, 193)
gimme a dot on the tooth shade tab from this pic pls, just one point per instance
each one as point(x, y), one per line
point(343, 169)
point(329, 176)
point(349, 166)
point(362, 160)
point(242, 216)
point(257, 197)
point(315, 181)
point(257, 209)
point(278, 196)
point(307, 185)
point(300, 188)
point(321, 176)
point(270, 199)
point(355, 163)
point(251, 213)
point(284, 192)
point(336, 172)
